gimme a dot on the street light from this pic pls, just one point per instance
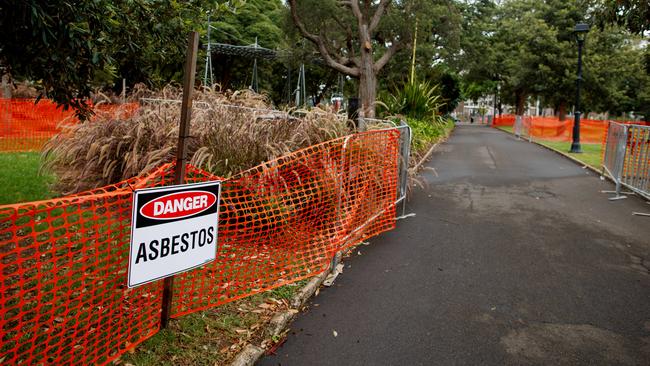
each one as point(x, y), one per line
point(580, 32)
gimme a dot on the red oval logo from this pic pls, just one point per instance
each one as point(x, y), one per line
point(178, 205)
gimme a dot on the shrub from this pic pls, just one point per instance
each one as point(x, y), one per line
point(426, 132)
point(415, 99)
point(225, 139)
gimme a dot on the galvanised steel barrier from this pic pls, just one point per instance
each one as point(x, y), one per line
point(627, 158)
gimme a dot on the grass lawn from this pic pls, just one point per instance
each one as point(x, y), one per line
point(20, 178)
point(591, 153)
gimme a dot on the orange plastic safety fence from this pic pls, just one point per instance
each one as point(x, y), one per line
point(283, 222)
point(26, 126)
point(549, 128)
point(63, 294)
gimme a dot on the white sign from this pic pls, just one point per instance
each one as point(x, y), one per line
point(173, 229)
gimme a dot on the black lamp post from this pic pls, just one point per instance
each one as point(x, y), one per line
point(580, 31)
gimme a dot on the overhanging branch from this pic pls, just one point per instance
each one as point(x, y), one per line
point(390, 52)
point(316, 40)
point(383, 4)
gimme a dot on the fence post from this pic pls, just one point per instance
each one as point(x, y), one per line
point(181, 153)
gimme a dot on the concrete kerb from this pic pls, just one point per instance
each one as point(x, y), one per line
point(280, 322)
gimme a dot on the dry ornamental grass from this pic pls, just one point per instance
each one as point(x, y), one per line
point(230, 132)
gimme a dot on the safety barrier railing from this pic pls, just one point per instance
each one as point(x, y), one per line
point(406, 137)
point(627, 158)
point(63, 292)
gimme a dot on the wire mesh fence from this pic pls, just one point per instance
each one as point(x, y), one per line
point(552, 129)
point(63, 294)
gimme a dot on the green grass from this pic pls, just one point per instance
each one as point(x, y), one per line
point(20, 178)
point(591, 153)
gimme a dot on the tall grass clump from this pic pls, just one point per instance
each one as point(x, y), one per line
point(230, 132)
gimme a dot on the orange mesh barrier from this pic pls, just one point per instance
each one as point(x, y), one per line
point(63, 295)
point(25, 126)
point(550, 128)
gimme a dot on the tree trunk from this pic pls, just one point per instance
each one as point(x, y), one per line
point(367, 94)
point(6, 86)
point(520, 98)
point(367, 80)
point(562, 111)
point(521, 103)
point(5, 104)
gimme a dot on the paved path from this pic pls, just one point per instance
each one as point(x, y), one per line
point(514, 258)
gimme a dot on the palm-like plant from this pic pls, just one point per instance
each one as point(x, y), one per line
point(415, 99)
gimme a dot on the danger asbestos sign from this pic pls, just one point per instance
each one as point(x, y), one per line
point(174, 229)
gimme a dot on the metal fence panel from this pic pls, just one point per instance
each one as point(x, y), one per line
point(636, 171)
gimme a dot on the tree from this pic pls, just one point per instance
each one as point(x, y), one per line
point(615, 80)
point(65, 45)
point(521, 40)
point(631, 14)
point(255, 20)
point(477, 62)
point(558, 60)
point(358, 38)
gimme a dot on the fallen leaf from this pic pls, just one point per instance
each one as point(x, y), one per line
point(335, 333)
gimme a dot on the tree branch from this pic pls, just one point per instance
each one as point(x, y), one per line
point(390, 52)
point(383, 4)
point(322, 48)
point(354, 5)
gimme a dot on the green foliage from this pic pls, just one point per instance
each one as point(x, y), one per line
point(415, 99)
point(359, 38)
point(528, 48)
point(631, 14)
point(69, 45)
point(426, 132)
point(259, 20)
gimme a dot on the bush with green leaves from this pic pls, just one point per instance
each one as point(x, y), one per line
point(425, 132)
point(416, 99)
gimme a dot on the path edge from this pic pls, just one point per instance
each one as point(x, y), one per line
point(251, 353)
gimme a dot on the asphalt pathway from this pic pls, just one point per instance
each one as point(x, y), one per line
point(514, 257)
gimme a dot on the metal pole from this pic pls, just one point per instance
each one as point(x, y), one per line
point(123, 90)
point(575, 146)
point(208, 59)
point(303, 86)
point(181, 153)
